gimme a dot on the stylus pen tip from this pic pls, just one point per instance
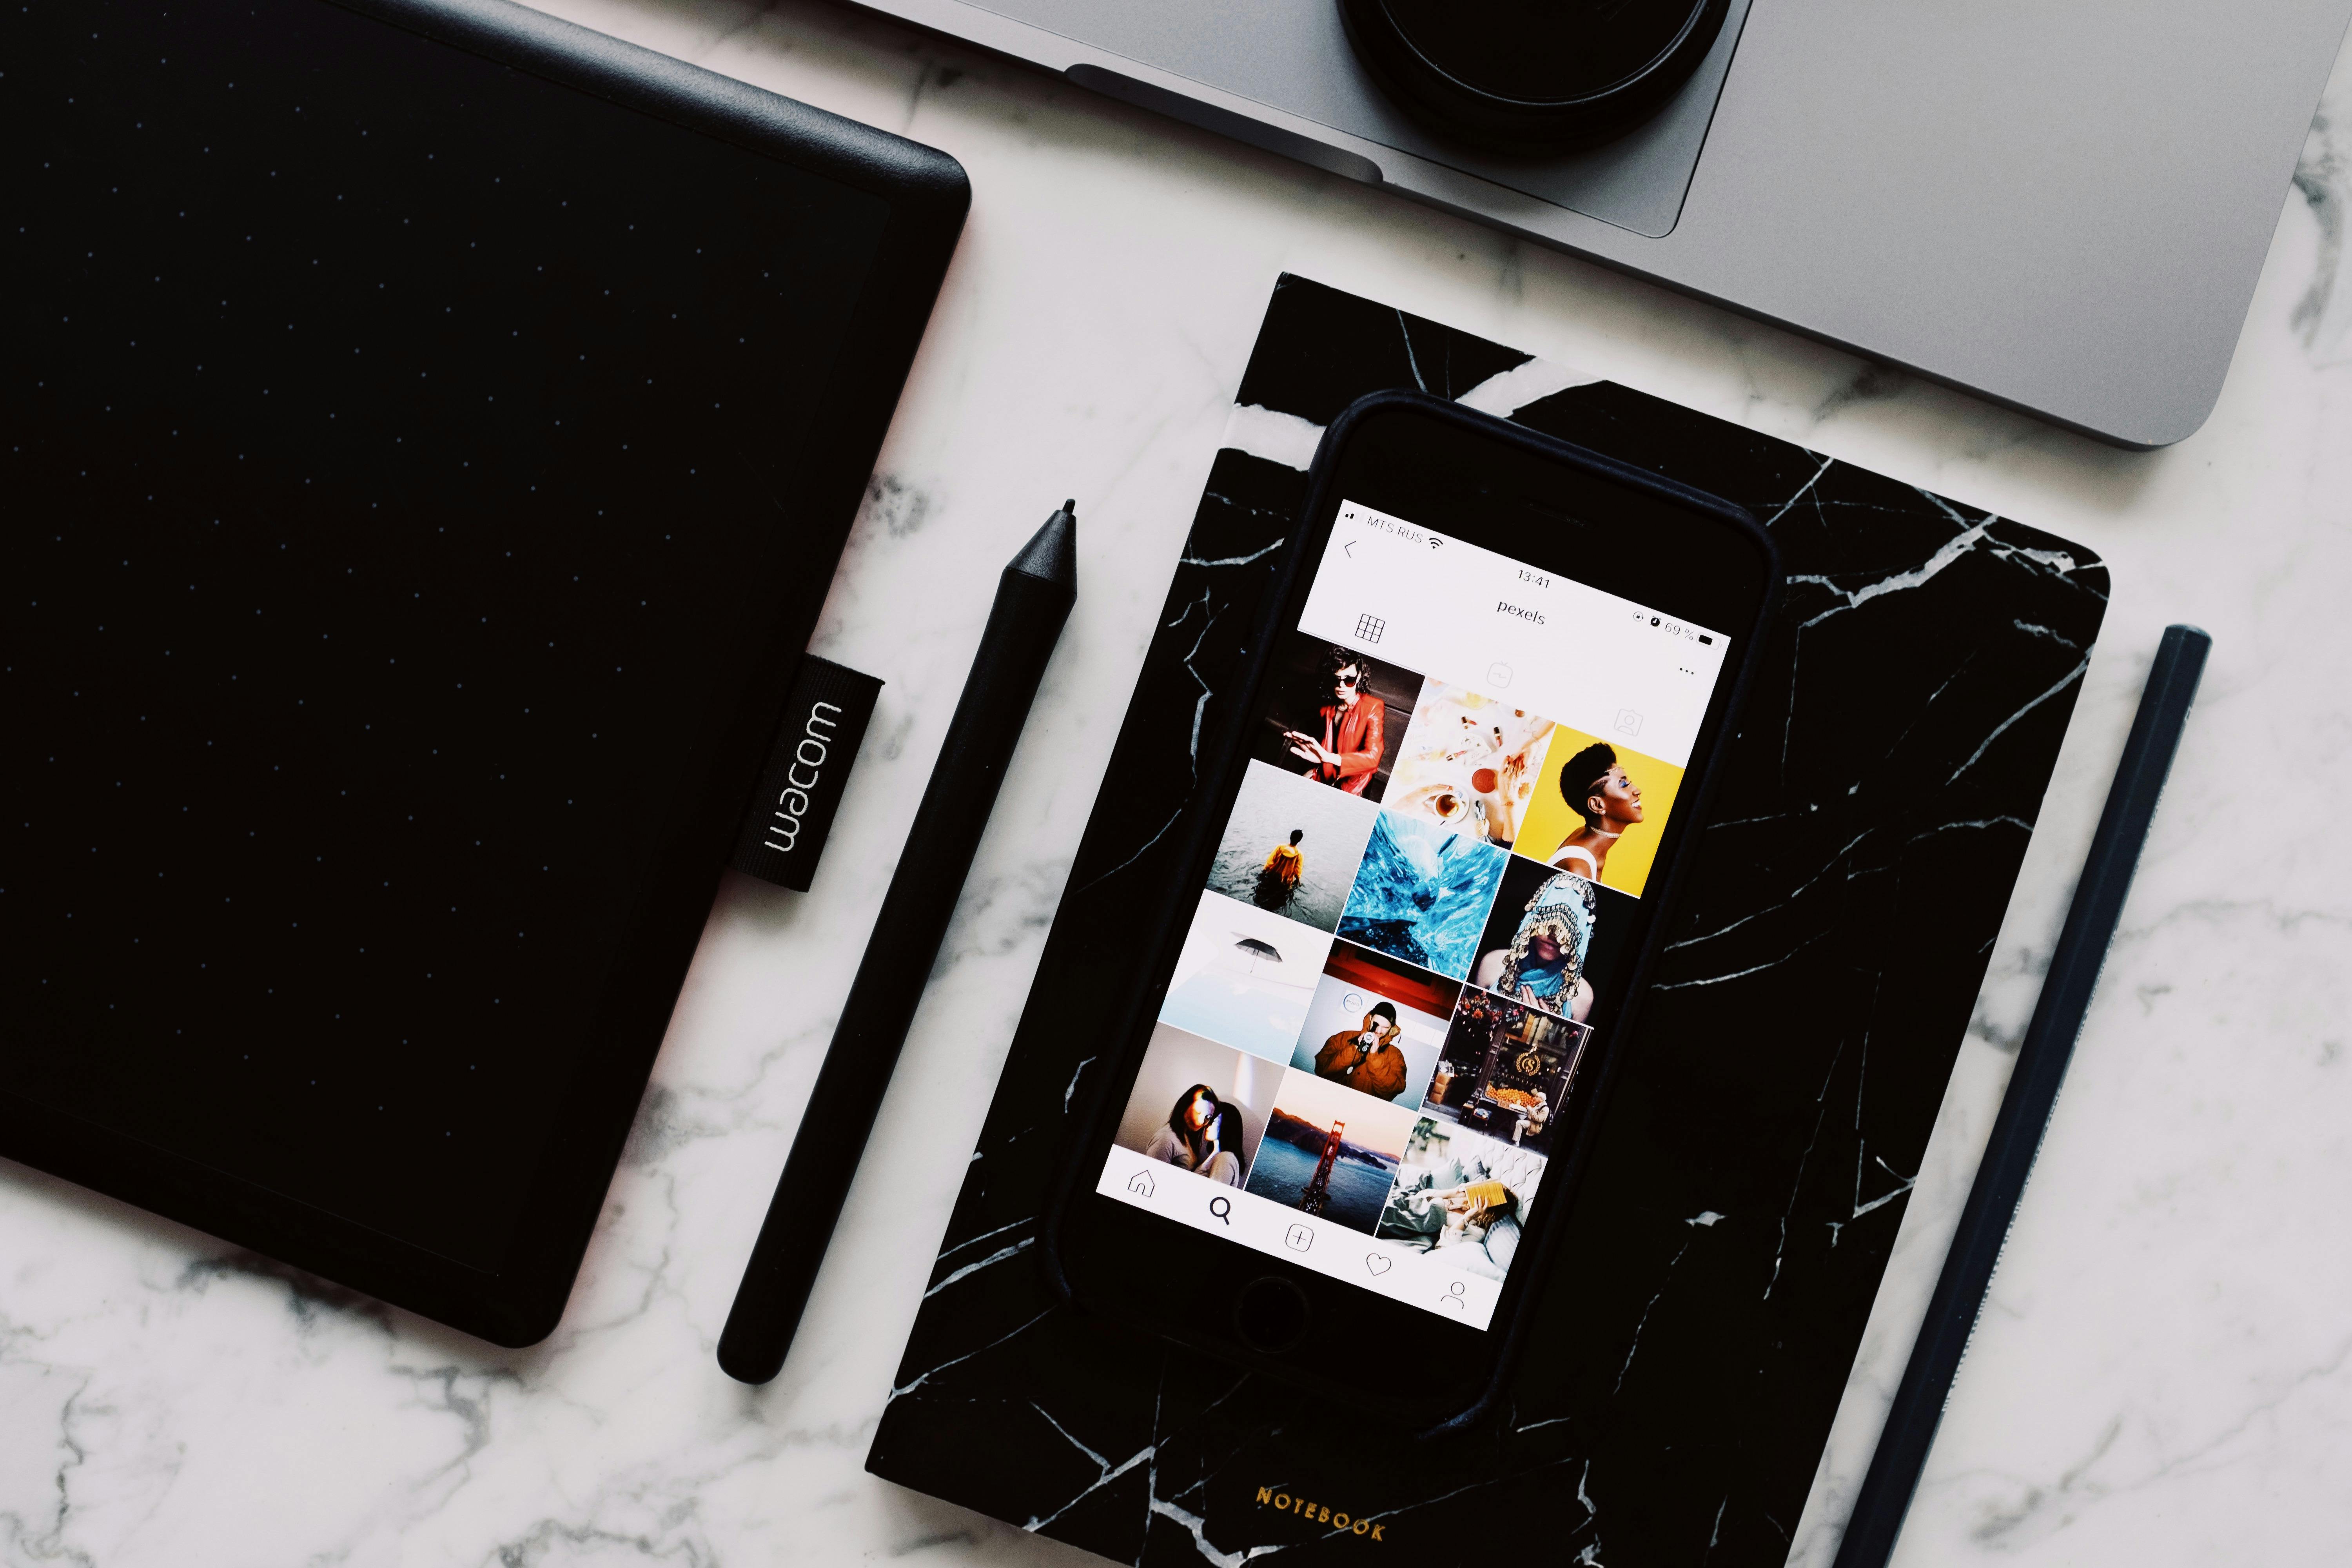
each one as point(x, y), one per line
point(1052, 553)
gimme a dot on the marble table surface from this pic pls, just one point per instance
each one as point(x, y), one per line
point(2163, 1374)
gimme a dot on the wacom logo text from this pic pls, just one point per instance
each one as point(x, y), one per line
point(784, 822)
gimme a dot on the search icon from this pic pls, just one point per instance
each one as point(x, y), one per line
point(1223, 1208)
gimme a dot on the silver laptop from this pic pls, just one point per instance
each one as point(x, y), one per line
point(2059, 204)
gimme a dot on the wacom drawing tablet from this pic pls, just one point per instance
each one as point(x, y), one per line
point(431, 430)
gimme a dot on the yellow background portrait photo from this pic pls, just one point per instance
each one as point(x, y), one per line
point(1550, 819)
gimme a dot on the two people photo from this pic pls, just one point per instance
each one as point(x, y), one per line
point(1202, 1135)
point(1198, 1106)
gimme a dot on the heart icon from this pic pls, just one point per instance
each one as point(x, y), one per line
point(1378, 1263)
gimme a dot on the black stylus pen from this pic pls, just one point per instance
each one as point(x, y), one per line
point(2016, 1128)
point(1034, 597)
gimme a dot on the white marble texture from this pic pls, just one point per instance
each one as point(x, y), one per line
point(2164, 1373)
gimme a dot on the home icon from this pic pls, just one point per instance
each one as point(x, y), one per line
point(1139, 1184)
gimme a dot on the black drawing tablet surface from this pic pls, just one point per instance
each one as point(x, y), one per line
point(431, 429)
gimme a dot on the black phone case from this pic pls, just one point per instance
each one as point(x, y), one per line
point(1074, 1181)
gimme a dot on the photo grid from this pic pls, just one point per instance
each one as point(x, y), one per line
point(1388, 982)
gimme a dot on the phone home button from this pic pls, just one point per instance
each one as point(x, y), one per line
point(1270, 1314)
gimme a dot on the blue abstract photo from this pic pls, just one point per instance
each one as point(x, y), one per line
point(1423, 893)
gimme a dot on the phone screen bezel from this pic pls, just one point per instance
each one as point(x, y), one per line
point(1558, 509)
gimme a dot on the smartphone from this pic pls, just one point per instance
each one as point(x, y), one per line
point(1373, 1038)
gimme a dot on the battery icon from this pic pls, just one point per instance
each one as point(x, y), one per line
point(1704, 636)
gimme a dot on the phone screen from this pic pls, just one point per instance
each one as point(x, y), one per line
point(1459, 772)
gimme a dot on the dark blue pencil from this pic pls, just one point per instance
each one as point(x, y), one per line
point(2024, 1115)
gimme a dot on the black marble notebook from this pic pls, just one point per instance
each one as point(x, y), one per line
point(1727, 1239)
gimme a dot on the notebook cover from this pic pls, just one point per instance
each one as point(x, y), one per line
point(1695, 1337)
